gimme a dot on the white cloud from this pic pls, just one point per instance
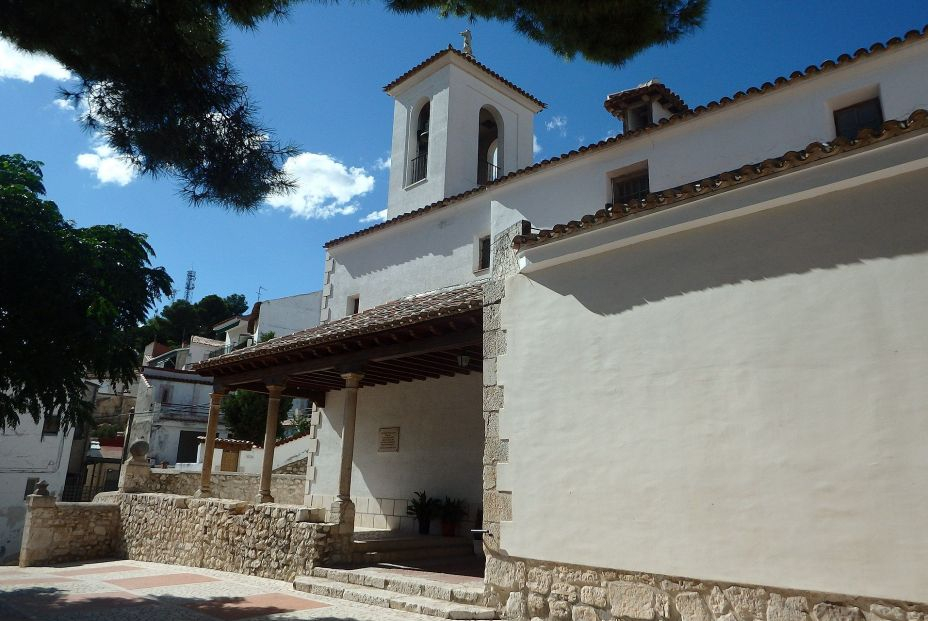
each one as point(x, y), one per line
point(374, 216)
point(19, 64)
point(382, 163)
point(536, 147)
point(558, 123)
point(64, 104)
point(107, 165)
point(325, 187)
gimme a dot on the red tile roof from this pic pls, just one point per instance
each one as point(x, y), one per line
point(450, 50)
point(403, 312)
point(844, 59)
point(616, 103)
point(790, 161)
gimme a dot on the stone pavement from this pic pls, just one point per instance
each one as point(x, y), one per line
point(140, 591)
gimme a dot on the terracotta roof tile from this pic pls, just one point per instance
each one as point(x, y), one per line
point(450, 50)
point(745, 174)
point(403, 312)
point(616, 103)
point(844, 59)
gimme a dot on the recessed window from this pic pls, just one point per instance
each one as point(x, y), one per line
point(51, 425)
point(418, 164)
point(851, 120)
point(629, 188)
point(483, 253)
point(354, 304)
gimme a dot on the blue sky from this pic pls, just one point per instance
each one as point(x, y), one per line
point(318, 76)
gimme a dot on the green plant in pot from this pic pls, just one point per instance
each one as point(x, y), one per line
point(452, 511)
point(423, 508)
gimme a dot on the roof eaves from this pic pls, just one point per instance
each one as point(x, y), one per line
point(790, 161)
point(844, 59)
point(450, 50)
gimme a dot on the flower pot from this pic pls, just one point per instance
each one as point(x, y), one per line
point(424, 526)
point(448, 528)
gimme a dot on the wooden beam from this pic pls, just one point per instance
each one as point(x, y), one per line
point(451, 340)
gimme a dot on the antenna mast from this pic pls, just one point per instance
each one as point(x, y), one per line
point(190, 285)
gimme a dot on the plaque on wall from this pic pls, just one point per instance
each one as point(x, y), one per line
point(389, 440)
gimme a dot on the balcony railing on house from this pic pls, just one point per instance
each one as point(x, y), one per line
point(225, 350)
point(418, 168)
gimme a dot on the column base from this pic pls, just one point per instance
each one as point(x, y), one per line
point(341, 512)
point(203, 493)
point(262, 498)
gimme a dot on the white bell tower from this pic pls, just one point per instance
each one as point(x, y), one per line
point(456, 125)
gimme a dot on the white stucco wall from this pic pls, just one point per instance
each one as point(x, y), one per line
point(25, 453)
point(745, 401)
point(441, 441)
point(284, 316)
point(436, 250)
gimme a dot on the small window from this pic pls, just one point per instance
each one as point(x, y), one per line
point(863, 115)
point(30, 486)
point(354, 304)
point(418, 164)
point(629, 188)
point(51, 425)
point(165, 394)
point(483, 253)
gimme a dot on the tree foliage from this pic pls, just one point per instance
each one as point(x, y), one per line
point(245, 415)
point(602, 31)
point(70, 301)
point(157, 84)
point(180, 320)
point(156, 81)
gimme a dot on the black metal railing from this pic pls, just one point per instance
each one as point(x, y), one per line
point(487, 172)
point(418, 168)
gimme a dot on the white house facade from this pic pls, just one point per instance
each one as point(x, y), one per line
point(676, 374)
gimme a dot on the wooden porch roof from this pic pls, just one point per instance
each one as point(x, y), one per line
point(418, 337)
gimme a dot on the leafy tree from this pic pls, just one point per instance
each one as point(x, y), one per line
point(157, 83)
point(70, 301)
point(245, 414)
point(602, 31)
point(180, 320)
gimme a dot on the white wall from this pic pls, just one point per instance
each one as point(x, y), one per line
point(285, 316)
point(25, 453)
point(436, 250)
point(441, 440)
point(744, 402)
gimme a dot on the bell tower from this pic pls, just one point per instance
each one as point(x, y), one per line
point(456, 125)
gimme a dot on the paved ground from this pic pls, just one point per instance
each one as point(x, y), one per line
point(139, 591)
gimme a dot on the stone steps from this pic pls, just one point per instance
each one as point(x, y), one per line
point(374, 551)
point(397, 593)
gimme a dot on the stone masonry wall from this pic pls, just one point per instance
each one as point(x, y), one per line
point(58, 532)
point(285, 488)
point(294, 467)
point(269, 540)
point(548, 591)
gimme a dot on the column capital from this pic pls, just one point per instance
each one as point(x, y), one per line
point(274, 390)
point(216, 396)
point(352, 379)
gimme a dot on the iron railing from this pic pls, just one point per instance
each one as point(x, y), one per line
point(418, 168)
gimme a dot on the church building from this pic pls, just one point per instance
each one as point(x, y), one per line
point(675, 374)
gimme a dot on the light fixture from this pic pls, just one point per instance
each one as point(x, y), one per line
point(463, 361)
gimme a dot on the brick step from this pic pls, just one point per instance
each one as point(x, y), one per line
point(384, 598)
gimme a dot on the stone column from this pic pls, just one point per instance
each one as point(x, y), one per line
point(342, 510)
point(215, 399)
point(136, 472)
point(38, 540)
point(270, 439)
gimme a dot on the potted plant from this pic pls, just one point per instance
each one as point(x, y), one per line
point(452, 511)
point(423, 508)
